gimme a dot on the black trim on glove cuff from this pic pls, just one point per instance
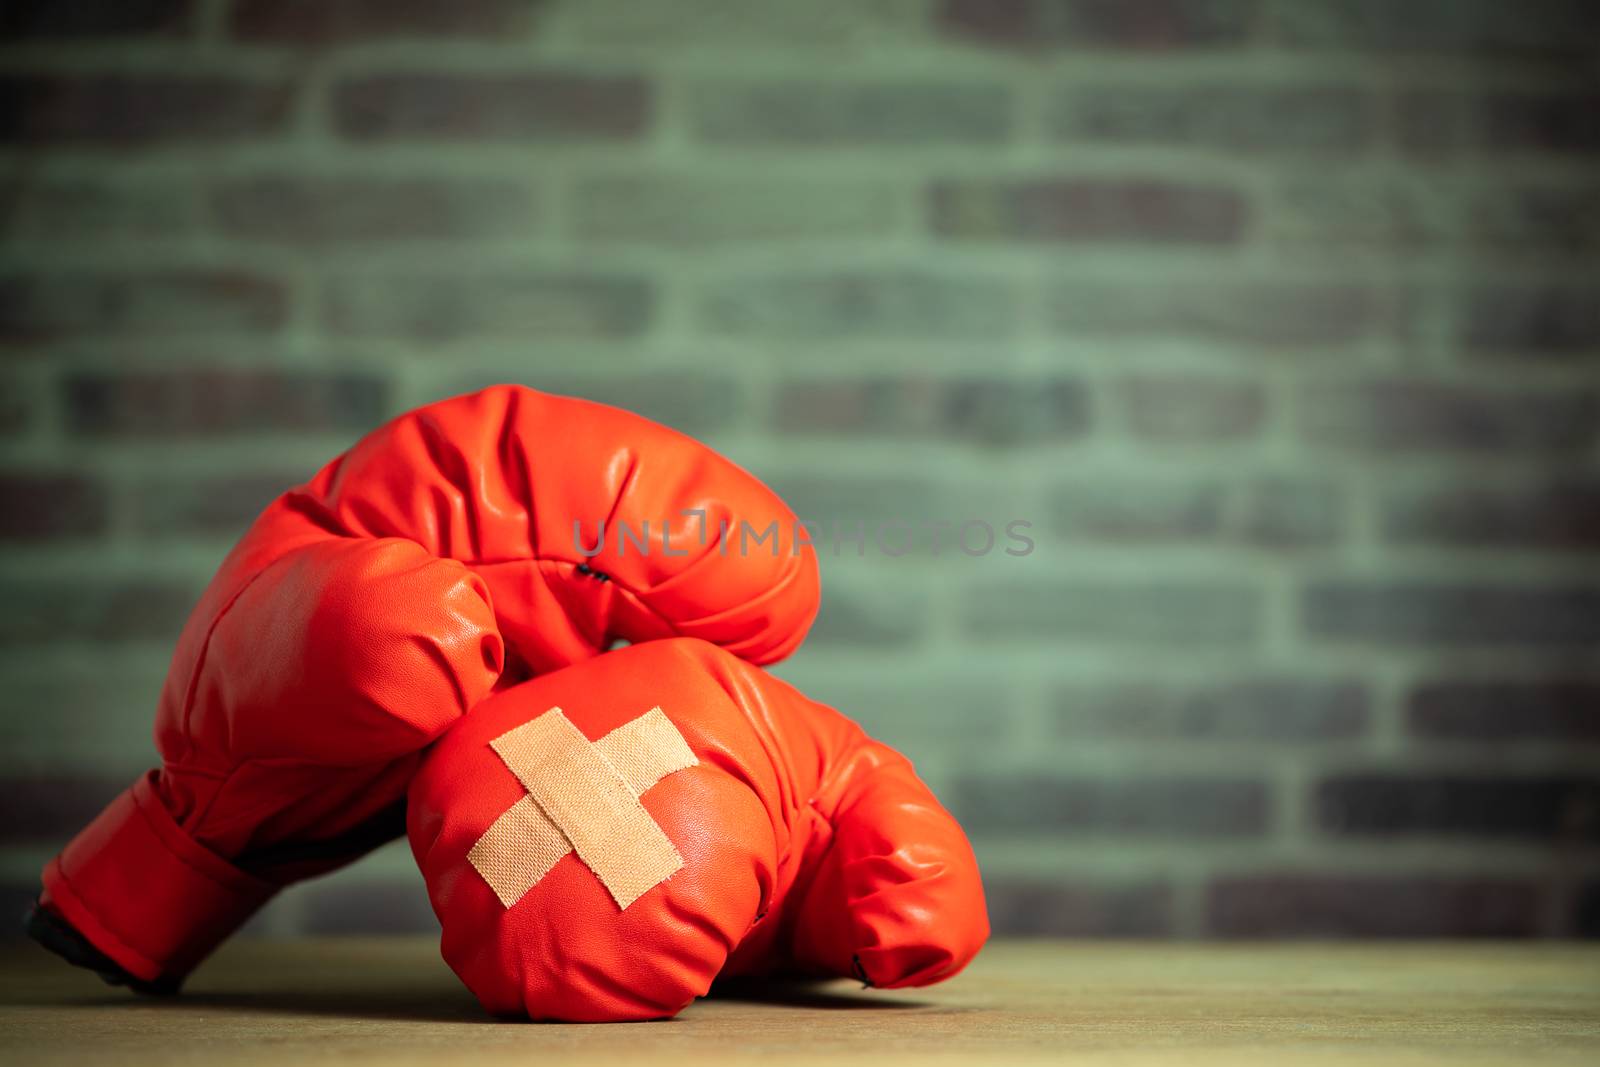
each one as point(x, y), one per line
point(57, 935)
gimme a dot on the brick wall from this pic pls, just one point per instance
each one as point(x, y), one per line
point(1279, 319)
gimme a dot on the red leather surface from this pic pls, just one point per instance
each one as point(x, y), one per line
point(808, 848)
point(367, 610)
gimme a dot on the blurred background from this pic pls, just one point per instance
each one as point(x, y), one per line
point(1278, 319)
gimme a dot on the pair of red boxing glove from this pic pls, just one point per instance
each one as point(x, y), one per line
point(416, 641)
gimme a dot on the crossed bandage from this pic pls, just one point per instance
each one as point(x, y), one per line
point(583, 797)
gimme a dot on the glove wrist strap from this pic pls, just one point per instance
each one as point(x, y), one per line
point(146, 894)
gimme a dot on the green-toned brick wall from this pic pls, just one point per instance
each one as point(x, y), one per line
point(1278, 319)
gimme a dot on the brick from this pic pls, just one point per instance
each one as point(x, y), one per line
point(175, 404)
point(1216, 117)
point(1342, 905)
point(1534, 27)
point(1340, 212)
point(1270, 314)
point(1431, 122)
point(1267, 511)
point(1545, 218)
point(16, 409)
point(159, 303)
point(550, 106)
point(1121, 511)
point(696, 404)
point(1552, 515)
point(701, 210)
point(1087, 209)
point(51, 808)
point(1494, 712)
point(895, 709)
point(39, 506)
point(707, 24)
point(902, 304)
point(1256, 709)
point(1586, 910)
point(1156, 807)
point(367, 908)
point(1278, 512)
point(120, 209)
point(886, 619)
point(1438, 613)
point(1191, 409)
point(833, 113)
point(1441, 122)
point(1052, 908)
point(32, 20)
point(1544, 807)
point(206, 506)
point(844, 498)
point(1557, 123)
point(323, 22)
point(1203, 613)
point(44, 611)
point(325, 210)
point(1154, 25)
point(1003, 22)
point(1541, 320)
point(1435, 415)
point(129, 110)
point(447, 307)
point(60, 719)
point(977, 411)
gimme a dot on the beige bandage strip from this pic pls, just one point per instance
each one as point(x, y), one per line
point(583, 797)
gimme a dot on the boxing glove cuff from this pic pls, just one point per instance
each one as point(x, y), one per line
point(144, 892)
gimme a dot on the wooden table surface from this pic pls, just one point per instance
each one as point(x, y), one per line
point(394, 1002)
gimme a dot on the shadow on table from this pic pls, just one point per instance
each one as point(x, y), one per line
point(439, 1004)
point(375, 1005)
point(801, 993)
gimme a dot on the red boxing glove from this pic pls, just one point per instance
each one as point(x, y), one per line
point(602, 842)
point(367, 610)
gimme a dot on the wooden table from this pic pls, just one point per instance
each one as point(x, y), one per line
point(394, 1002)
